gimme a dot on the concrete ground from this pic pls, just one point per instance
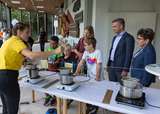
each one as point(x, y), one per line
point(38, 107)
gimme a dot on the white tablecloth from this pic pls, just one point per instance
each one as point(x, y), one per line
point(93, 93)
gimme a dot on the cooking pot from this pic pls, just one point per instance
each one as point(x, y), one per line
point(65, 76)
point(131, 92)
point(131, 88)
point(129, 82)
point(33, 71)
point(66, 79)
point(64, 71)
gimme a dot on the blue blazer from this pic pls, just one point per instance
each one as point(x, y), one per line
point(143, 58)
point(123, 53)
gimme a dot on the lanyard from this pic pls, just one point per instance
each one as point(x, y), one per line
point(139, 52)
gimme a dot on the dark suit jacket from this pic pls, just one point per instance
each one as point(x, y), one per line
point(123, 53)
point(147, 56)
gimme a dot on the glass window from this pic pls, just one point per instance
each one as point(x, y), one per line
point(25, 17)
point(34, 25)
point(41, 20)
point(49, 26)
point(0, 16)
point(56, 25)
point(16, 14)
point(0, 9)
point(3, 8)
point(3, 16)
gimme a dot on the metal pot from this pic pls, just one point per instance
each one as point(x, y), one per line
point(65, 76)
point(64, 71)
point(131, 88)
point(129, 82)
point(33, 71)
point(66, 79)
point(131, 92)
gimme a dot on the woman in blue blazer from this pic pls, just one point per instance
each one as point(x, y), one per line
point(144, 56)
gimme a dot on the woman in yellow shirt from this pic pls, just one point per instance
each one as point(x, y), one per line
point(12, 54)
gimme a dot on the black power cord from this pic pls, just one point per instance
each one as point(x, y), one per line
point(151, 104)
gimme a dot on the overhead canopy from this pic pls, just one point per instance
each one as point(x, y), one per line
point(48, 6)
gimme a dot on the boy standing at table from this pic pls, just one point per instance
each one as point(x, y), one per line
point(93, 59)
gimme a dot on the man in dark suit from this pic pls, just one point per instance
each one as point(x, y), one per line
point(121, 51)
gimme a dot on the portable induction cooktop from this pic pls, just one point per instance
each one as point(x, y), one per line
point(69, 87)
point(35, 80)
point(138, 102)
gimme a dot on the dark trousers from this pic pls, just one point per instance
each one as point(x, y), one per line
point(1, 42)
point(114, 73)
point(9, 91)
point(42, 45)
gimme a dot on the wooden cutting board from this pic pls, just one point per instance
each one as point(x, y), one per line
point(108, 96)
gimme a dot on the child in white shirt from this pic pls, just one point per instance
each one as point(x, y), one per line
point(93, 59)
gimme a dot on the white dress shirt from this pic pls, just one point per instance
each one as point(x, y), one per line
point(115, 44)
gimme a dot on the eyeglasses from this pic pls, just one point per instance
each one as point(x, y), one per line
point(139, 38)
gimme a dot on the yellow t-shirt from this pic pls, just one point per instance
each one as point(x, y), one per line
point(10, 56)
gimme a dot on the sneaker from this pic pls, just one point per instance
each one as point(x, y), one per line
point(91, 109)
point(51, 111)
point(69, 102)
point(52, 101)
point(47, 100)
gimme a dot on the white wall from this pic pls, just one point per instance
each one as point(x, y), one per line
point(100, 25)
point(131, 5)
point(146, 12)
point(157, 38)
point(134, 21)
